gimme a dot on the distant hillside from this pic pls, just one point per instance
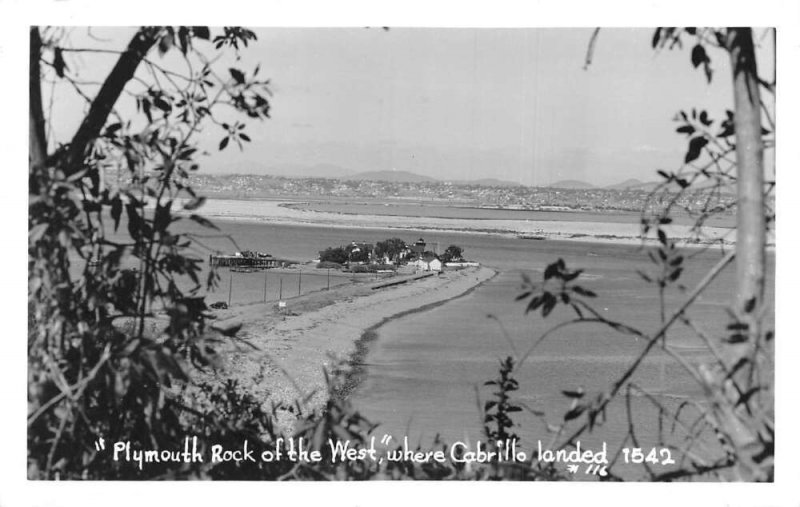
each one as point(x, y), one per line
point(630, 183)
point(649, 186)
point(390, 176)
point(570, 184)
point(489, 182)
point(305, 171)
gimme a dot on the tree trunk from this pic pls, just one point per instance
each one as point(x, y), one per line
point(37, 139)
point(743, 429)
point(751, 227)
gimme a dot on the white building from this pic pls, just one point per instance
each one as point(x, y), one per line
point(428, 263)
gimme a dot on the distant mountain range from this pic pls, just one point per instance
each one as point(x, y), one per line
point(309, 171)
point(390, 176)
point(338, 172)
point(631, 184)
point(628, 184)
point(409, 177)
point(571, 184)
point(490, 182)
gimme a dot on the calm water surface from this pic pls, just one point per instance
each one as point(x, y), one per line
point(425, 372)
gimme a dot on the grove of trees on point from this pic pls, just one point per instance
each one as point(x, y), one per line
point(338, 255)
point(453, 253)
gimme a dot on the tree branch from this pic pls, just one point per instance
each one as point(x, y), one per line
point(112, 88)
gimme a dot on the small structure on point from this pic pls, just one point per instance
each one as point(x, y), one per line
point(428, 262)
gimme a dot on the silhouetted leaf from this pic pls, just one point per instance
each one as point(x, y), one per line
point(112, 129)
point(183, 39)
point(574, 413)
point(583, 292)
point(162, 104)
point(535, 303)
point(736, 338)
point(699, 55)
point(203, 221)
point(523, 296)
point(58, 62)
point(134, 221)
point(728, 129)
point(551, 270)
point(165, 42)
point(237, 75)
point(695, 146)
point(161, 218)
point(201, 32)
point(116, 210)
point(656, 37)
point(549, 303)
point(146, 109)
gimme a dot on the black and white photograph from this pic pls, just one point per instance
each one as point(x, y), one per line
point(402, 252)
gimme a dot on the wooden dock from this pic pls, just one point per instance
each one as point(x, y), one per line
point(237, 261)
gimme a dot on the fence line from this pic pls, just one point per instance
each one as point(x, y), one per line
point(249, 288)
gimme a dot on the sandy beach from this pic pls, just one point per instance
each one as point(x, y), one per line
point(320, 328)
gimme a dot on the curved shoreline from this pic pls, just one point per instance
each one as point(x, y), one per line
point(274, 212)
point(357, 371)
point(324, 330)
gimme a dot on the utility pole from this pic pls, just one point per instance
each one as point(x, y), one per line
point(265, 286)
point(230, 289)
point(280, 290)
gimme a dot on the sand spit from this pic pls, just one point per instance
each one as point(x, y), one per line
point(267, 211)
point(321, 327)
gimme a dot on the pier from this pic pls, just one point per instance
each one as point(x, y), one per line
point(239, 261)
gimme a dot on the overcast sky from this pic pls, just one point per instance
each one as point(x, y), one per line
point(513, 104)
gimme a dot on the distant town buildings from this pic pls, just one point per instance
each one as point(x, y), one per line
point(500, 197)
